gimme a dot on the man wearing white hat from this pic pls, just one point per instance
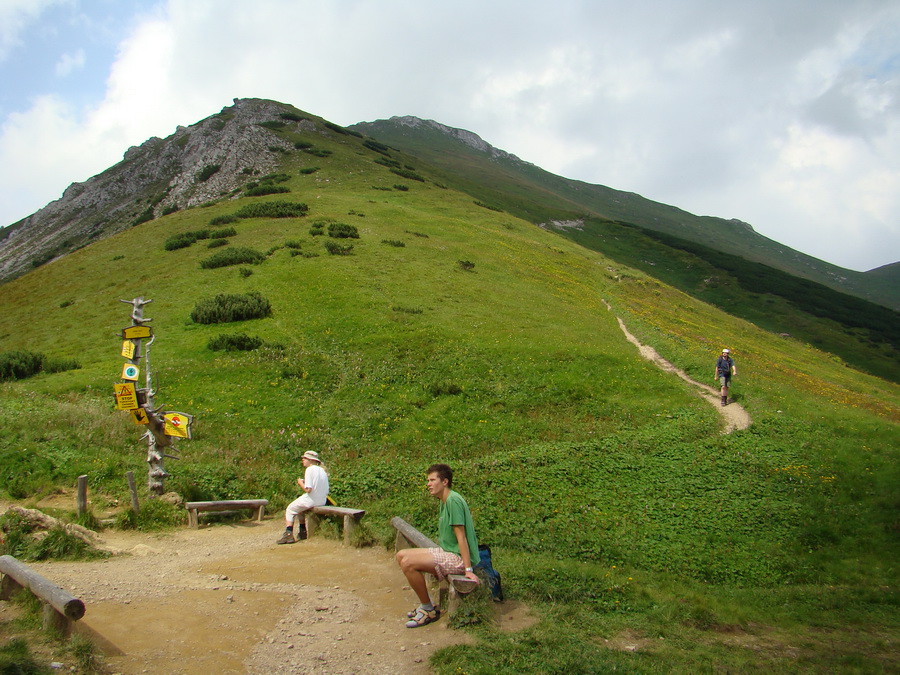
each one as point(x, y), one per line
point(725, 368)
point(315, 493)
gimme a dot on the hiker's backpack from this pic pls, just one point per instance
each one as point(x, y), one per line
point(493, 576)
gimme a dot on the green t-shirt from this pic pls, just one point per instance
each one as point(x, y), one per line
point(455, 511)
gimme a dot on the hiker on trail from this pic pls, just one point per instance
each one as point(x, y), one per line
point(725, 368)
point(315, 493)
point(458, 552)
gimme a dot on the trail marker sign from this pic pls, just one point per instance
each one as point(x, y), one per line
point(126, 396)
point(130, 372)
point(137, 332)
point(178, 424)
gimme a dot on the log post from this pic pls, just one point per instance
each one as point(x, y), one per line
point(135, 505)
point(81, 498)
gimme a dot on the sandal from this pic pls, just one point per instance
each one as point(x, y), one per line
point(422, 617)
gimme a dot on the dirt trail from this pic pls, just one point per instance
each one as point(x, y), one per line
point(733, 414)
point(226, 599)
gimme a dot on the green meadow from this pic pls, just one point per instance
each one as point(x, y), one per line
point(643, 539)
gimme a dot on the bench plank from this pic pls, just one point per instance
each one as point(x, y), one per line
point(351, 519)
point(258, 506)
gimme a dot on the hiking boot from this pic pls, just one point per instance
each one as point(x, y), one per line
point(286, 538)
point(724, 400)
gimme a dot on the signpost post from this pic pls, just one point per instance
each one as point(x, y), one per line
point(162, 426)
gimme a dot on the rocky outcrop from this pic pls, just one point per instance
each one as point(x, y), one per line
point(197, 164)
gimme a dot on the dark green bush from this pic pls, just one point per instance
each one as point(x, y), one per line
point(292, 117)
point(336, 249)
point(466, 265)
point(224, 232)
point(234, 342)
point(245, 272)
point(274, 125)
point(208, 172)
point(233, 256)
point(309, 170)
point(274, 209)
point(401, 187)
point(317, 230)
point(343, 231)
point(406, 173)
point(268, 189)
point(302, 145)
point(391, 163)
point(19, 364)
point(318, 152)
point(170, 209)
point(224, 220)
point(216, 243)
point(16, 659)
point(146, 216)
point(224, 308)
point(376, 146)
point(487, 206)
point(185, 239)
point(393, 242)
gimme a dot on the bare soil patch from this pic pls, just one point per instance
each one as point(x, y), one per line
point(226, 599)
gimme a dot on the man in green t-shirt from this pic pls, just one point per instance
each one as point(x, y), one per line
point(458, 552)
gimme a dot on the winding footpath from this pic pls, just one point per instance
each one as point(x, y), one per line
point(733, 414)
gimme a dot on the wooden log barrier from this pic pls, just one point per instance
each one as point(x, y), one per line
point(61, 609)
point(258, 506)
point(351, 519)
point(456, 586)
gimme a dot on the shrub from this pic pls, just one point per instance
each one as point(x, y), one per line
point(185, 239)
point(406, 173)
point(487, 206)
point(392, 163)
point(292, 117)
point(293, 243)
point(376, 146)
point(274, 209)
point(245, 272)
point(309, 170)
point(208, 172)
point(343, 231)
point(216, 243)
point(224, 308)
point(224, 232)
point(336, 249)
point(146, 216)
point(401, 187)
point(393, 242)
point(465, 265)
point(17, 365)
point(302, 145)
point(233, 256)
point(318, 152)
point(224, 220)
point(268, 189)
point(234, 342)
point(317, 230)
point(170, 209)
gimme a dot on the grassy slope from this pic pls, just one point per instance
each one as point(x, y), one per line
point(537, 195)
point(612, 502)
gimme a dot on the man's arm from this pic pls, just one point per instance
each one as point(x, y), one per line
point(460, 532)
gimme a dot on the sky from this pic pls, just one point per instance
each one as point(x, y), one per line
point(781, 113)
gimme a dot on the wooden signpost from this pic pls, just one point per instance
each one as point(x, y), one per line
point(162, 426)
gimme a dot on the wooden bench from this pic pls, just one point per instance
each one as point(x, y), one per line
point(451, 591)
point(351, 519)
point(258, 506)
point(61, 609)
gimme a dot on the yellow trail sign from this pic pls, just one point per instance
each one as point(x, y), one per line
point(126, 396)
point(178, 424)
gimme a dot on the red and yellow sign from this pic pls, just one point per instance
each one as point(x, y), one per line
point(177, 424)
point(126, 396)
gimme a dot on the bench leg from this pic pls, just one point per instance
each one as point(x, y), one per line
point(350, 524)
point(260, 512)
point(53, 620)
point(193, 518)
point(312, 521)
point(9, 587)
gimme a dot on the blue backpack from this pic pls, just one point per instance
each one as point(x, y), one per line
point(493, 576)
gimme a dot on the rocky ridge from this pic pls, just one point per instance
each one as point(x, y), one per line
point(206, 161)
